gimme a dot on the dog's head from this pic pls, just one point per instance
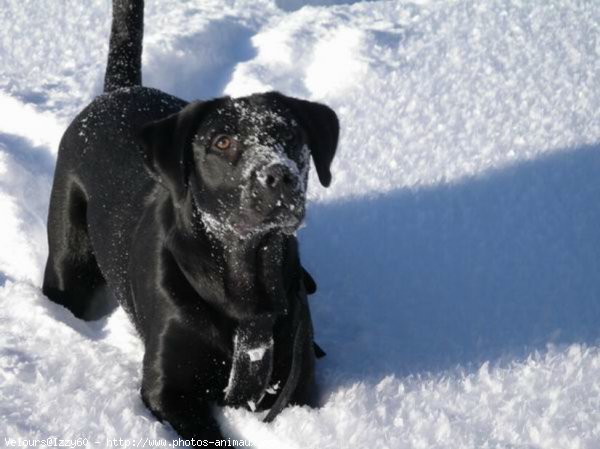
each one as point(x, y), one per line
point(244, 161)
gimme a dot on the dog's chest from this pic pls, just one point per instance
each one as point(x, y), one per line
point(240, 277)
point(255, 274)
point(241, 280)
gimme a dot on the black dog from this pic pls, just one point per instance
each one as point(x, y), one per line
point(186, 213)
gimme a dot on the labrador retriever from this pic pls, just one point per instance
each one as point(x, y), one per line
point(186, 213)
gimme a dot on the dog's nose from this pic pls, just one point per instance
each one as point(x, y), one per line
point(278, 191)
point(279, 177)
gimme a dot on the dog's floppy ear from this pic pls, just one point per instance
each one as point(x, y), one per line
point(322, 127)
point(165, 145)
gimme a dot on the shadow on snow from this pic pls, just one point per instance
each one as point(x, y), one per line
point(483, 269)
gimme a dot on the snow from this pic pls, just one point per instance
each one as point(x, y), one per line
point(257, 354)
point(457, 252)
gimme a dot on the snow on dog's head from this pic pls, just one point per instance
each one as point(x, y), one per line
point(243, 163)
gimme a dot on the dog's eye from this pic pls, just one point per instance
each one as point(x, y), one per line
point(222, 143)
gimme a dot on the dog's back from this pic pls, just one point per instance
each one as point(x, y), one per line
point(100, 179)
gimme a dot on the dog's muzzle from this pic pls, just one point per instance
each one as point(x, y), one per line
point(277, 194)
point(280, 186)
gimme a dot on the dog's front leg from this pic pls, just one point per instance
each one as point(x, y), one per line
point(177, 393)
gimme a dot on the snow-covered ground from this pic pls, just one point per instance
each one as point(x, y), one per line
point(457, 252)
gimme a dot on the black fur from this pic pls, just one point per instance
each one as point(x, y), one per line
point(124, 66)
point(195, 240)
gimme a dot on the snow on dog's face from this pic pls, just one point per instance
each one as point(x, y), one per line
point(244, 162)
point(251, 161)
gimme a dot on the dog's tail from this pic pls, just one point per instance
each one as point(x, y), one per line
point(124, 65)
